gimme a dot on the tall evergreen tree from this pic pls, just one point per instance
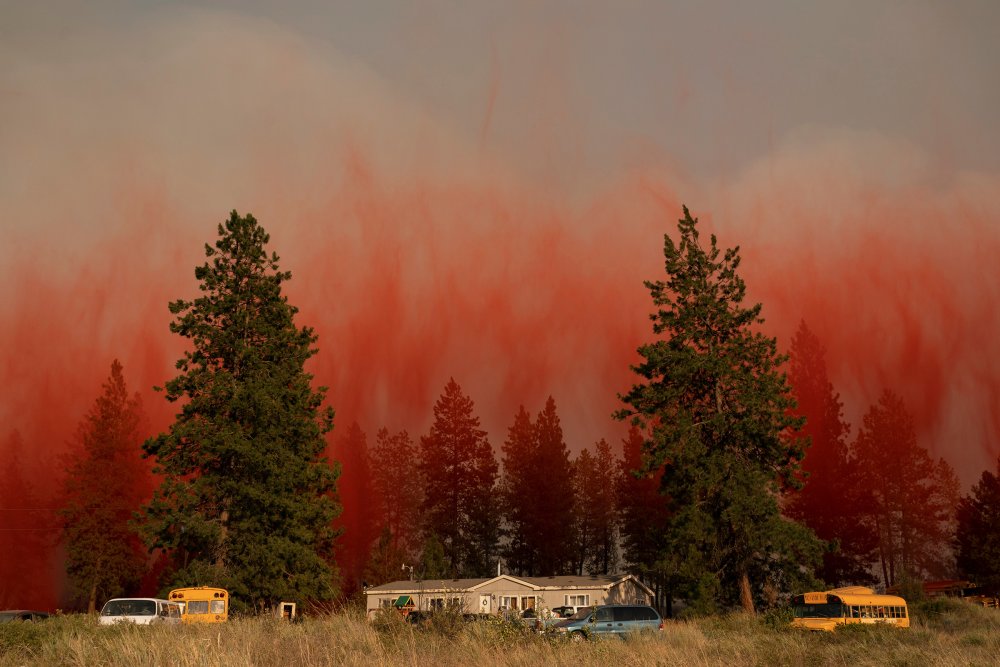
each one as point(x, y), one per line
point(106, 483)
point(827, 502)
point(595, 510)
point(247, 494)
point(910, 497)
point(459, 474)
point(644, 520)
point(977, 536)
point(518, 502)
point(716, 409)
point(552, 523)
point(397, 490)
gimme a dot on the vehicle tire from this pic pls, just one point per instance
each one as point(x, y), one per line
point(577, 637)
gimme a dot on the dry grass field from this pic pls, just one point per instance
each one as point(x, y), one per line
point(943, 633)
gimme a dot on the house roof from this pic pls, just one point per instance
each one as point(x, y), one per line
point(428, 585)
point(568, 582)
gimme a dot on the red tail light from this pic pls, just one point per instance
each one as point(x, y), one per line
point(661, 625)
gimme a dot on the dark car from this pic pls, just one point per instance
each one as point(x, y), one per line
point(10, 615)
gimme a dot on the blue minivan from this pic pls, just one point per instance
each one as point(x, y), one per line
point(617, 619)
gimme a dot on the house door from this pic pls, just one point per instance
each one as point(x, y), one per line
point(484, 604)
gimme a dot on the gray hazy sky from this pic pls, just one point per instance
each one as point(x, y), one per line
point(569, 91)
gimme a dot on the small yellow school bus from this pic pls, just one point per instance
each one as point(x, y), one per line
point(202, 604)
point(842, 606)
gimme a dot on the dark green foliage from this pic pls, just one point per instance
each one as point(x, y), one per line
point(397, 492)
point(595, 511)
point(715, 407)
point(459, 474)
point(552, 524)
point(433, 562)
point(643, 520)
point(910, 496)
point(106, 483)
point(978, 535)
point(246, 487)
point(387, 558)
point(538, 474)
point(828, 502)
point(517, 498)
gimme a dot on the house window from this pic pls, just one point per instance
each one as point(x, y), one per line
point(509, 601)
point(435, 604)
point(577, 600)
point(528, 602)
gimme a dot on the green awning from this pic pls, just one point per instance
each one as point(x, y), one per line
point(403, 601)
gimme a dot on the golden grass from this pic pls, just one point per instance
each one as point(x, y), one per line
point(949, 633)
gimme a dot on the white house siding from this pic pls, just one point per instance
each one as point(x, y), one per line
point(481, 595)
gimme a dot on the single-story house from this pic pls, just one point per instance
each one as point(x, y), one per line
point(507, 592)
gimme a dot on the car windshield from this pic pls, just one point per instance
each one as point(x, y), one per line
point(581, 614)
point(129, 608)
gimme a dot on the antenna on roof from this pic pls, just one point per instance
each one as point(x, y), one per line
point(498, 567)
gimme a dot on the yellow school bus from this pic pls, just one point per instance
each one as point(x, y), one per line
point(202, 604)
point(841, 606)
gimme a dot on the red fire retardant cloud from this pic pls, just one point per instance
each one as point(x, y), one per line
point(518, 295)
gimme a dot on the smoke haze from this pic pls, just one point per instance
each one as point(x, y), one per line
point(494, 223)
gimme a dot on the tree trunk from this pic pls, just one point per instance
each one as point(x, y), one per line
point(746, 596)
point(223, 529)
point(881, 551)
point(92, 599)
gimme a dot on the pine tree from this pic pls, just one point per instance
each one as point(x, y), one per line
point(827, 502)
point(396, 488)
point(552, 522)
point(106, 483)
point(644, 520)
point(247, 494)
point(595, 510)
point(910, 497)
point(715, 406)
point(518, 502)
point(459, 473)
point(434, 563)
point(977, 537)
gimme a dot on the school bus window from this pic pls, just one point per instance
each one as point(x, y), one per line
point(218, 606)
point(197, 607)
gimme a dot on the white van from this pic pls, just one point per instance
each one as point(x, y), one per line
point(141, 611)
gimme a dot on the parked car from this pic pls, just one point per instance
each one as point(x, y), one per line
point(11, 615)
point(610, 620)
point(141, 611)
